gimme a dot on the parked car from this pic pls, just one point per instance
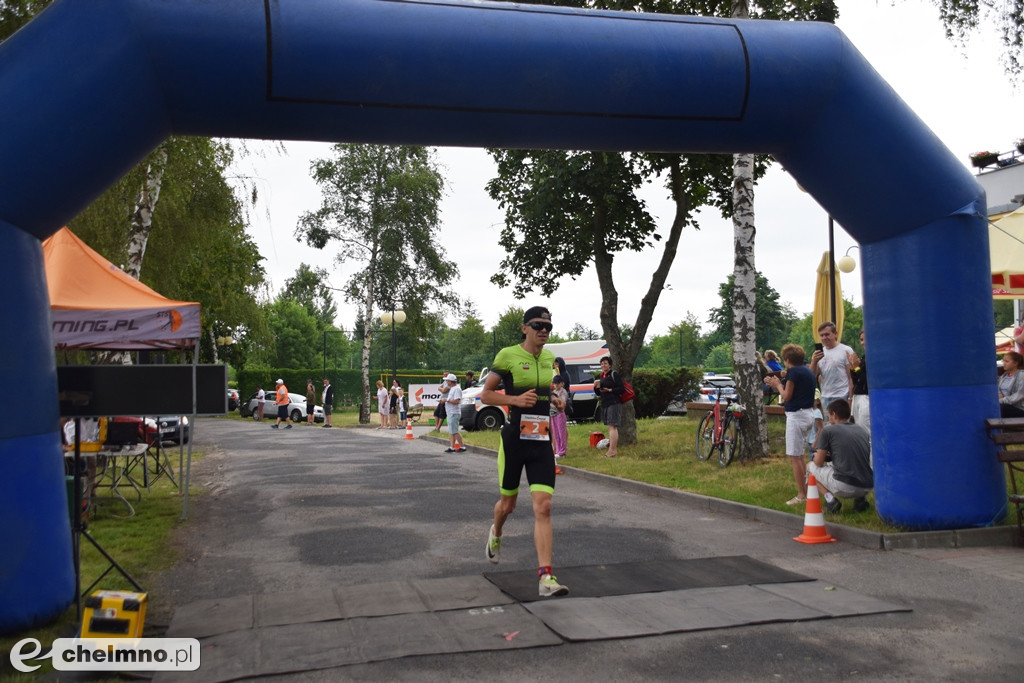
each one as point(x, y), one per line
point(296, 408)
point(232, 399)
point(711, 384)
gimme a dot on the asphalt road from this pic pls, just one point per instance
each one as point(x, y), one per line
point(310, 508)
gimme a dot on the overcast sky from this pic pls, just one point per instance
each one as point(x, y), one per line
point(962, 94)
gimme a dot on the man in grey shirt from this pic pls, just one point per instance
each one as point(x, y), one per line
point(842, 462)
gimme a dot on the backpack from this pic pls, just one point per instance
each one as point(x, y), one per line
point(628, 394)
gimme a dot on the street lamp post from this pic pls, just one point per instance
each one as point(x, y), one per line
point(392, 318)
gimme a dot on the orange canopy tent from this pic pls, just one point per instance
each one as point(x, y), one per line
point(96, 305)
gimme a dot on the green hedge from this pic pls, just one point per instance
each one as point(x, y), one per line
point(655, 387)
point(348, 384)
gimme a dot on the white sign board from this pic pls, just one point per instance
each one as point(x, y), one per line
point(426, 394)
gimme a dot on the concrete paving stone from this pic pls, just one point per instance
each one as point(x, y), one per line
point(224, 657)
point(212, 617)
point(749, 605)
point(295, 607)
point(379, 599)
point(832, 600)
point(307, 647)
point(497, 627)
point(459, 592)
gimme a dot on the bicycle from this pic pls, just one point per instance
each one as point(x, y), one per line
point(719, 431)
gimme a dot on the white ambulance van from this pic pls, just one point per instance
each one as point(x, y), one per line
point(582, 361)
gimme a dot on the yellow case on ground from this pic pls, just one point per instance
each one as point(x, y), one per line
point(114, 614)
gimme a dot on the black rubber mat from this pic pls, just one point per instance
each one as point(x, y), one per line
point(600, 580)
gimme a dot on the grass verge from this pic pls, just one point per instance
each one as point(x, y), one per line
point(140, 544)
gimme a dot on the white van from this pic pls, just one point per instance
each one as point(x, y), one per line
point(582, 363)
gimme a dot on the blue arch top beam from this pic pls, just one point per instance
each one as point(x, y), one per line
point(87, 89)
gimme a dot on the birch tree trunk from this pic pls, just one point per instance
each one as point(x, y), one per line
point(754, 425)
point(142, 217)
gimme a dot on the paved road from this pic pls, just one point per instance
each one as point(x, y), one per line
point(310, 508)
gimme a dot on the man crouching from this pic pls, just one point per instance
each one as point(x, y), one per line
point(842, 462)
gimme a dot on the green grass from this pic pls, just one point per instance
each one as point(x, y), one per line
point(140, 544)
point(665, 455)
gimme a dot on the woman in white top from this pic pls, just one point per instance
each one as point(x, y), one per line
point(382, 404)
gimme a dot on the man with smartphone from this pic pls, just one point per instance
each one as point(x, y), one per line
point(830, 363)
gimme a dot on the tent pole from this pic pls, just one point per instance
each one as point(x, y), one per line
point(192, 435)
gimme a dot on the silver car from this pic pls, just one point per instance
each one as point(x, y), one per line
point(296, 408)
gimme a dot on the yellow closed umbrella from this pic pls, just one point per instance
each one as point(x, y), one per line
point(823, 300)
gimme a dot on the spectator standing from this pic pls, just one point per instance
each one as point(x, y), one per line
point(860, 409)
point(327, 398)
point(831, 365)
point(261, 399)
point(382, 405)
point(441, 411)
point(470, 379)
point(393, 404)
point(310, 401)
point(453, 410)
point(609, 387)
point(401, 400)
point(559, 430)
point(283, 400)
point(797, 395)
point(1011, 386)
point(842, 463)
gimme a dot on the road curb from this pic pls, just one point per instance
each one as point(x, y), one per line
point(949, 538)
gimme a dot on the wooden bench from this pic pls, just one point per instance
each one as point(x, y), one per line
point(415, 412)
point(1009, 431)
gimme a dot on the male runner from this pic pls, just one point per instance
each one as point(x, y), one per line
point(526, 371)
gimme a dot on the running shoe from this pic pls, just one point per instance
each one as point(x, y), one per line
point(449, 450)
point(287, 426)
point(860, 504)
point(462, 450)
point(833, 506)
point(274, 427)
point(549, 587)
point(493, 546)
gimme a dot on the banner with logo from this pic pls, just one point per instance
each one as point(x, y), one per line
point(426, 394)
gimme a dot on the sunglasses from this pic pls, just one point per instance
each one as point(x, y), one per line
point(547, 327)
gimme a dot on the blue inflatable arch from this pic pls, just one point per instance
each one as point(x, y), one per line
point(89, 88)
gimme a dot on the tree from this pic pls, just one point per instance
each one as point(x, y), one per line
point(307, 289)
point(197, 249)
point(294, 333)
point(509, 328)
point(588, 204)
point(681, 347)
point(380, 203)
point(774, 319)
point(963, 17)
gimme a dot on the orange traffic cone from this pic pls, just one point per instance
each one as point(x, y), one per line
point(814, 519)
point(408, 429)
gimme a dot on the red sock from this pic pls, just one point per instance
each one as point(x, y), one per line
point(541, 571)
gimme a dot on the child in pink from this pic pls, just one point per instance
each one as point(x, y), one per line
point(559, 431)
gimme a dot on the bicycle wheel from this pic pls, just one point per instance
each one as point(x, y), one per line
point(706, 437)
point(730, 442)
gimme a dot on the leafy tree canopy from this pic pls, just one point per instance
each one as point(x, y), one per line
point(774, 319)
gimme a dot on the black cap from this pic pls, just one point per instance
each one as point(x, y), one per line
point(536, 312)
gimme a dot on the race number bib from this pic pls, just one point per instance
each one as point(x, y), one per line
point(534, 427)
